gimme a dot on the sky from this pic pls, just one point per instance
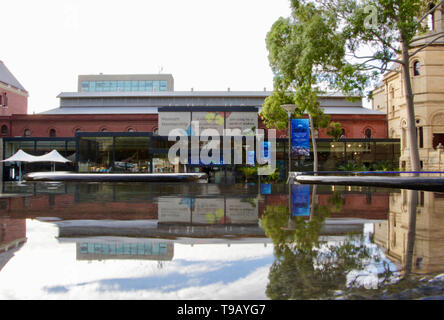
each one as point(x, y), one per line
point(204, 44)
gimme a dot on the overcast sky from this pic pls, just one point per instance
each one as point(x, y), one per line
point(204, 44)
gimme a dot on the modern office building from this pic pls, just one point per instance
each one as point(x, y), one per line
point(120, 123)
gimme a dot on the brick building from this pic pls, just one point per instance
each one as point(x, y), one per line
point(119, 123)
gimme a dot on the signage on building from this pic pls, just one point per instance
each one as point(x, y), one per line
point(246, 122)
point(208, 210)
point(300, 137)
point(169, 121)
point(300, 196)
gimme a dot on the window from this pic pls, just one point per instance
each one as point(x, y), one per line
point(416, 68)
point(3, 99)
point(368, 133)
point(27, 132)
point(52, 133)
point(4, 129)
point(420, 136)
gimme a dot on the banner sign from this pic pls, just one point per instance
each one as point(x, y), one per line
point(300, 196)
point(300, 137)
point(245, 122)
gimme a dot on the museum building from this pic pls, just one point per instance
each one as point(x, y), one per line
point(120, 123)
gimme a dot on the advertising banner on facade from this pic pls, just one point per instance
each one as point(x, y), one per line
point(209, 120)
point(169, 121)
point(300, 196)
point(300, 137)
point(245, 122)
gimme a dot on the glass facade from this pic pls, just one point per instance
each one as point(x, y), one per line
point(38, 146)
point(141, 152)
point(124, 86)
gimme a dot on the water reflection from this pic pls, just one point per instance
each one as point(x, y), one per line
point(207, 241)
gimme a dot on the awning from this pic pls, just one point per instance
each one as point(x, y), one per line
point(21, 156)
point(53, 156)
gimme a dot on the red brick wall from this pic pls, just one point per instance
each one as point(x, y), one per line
point(11, 230)
point(17, 103)
point(65, 126)
point(354, 126)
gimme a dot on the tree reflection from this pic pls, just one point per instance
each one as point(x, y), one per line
point(305, 267)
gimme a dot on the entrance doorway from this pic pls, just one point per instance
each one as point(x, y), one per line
point(438, 138)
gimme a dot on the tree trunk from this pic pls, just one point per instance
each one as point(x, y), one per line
point(411, 233)
point(411, 123)
point(315, 147)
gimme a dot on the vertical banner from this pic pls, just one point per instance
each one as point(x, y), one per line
point(300, 137)
point(250, 157)
point(300, 198)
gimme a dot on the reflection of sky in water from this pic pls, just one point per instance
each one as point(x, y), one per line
point(47, 269)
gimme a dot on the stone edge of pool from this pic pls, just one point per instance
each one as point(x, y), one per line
point(414, 183)
point(114, 177)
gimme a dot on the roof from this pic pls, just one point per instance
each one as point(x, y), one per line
point(154, 110)
point(8, 78)
point(101, 110)
point(261, 94)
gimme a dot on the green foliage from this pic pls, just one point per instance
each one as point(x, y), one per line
point(275, 177)
point(334, 130)
point(382, 165)
point(306, 268)
point(249, 172)
point(272, 114)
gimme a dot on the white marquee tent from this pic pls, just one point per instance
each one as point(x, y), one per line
point(21, 156)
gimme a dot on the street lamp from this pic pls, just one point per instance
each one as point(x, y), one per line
point(289, 108)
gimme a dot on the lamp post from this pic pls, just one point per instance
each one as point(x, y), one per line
point(289, 108)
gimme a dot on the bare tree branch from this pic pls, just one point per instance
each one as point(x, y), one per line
point(429, 12)
point(441, 35)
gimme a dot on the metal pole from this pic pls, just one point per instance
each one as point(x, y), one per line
point(289, 144)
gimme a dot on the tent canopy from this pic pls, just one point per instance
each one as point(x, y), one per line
point(22, 156)
point(53, 156)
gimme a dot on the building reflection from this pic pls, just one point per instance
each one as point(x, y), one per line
point(213, 213)
point(12, 238)
point(428, 241)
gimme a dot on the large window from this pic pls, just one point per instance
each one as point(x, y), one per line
point(132, 154)
point(127, 85)
point(95, 154)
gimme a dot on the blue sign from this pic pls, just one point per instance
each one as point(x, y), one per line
point(300, 137)
point(300, 198)
point(265, 188)
point(265, 150)
point(250, 157)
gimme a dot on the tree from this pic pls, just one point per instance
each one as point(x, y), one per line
point(345, 44)
point(304, 49)
point(388, 29)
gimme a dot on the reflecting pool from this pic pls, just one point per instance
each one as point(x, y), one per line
point(215, 241)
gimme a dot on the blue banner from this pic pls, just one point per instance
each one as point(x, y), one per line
point(300, 137)
point(250, 157)
point(265, 150)
point(300, 196)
